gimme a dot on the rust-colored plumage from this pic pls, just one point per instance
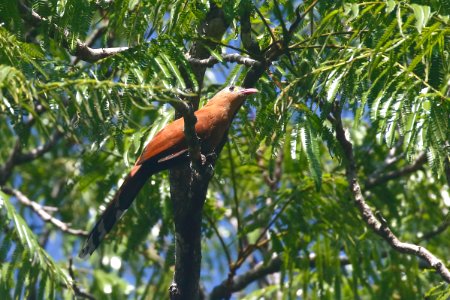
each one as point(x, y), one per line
point(166, 149)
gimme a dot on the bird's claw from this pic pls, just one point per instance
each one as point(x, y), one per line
point(202, 159)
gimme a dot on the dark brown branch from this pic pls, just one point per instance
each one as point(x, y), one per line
point(222, 242)
point(188, 192)
point(248, 42)
point(94, 36)
point(265, 24)
point(76, 288)
point(86, 53)
point(261, 270)
point(300, 17)
point(235, 199)
point(368, 216)
point(271, 181)
point(43, 213)
point(37, 152)
point(7, 168)
point(226, 288)
point(431, 234)
point(17, 157)
point(373, 181)
point(190, 135)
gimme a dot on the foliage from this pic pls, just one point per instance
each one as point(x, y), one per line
point(280, 182)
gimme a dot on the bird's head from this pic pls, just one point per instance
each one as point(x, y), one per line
point(238, 91)
point(233, 95)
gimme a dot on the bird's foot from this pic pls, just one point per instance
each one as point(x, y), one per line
point(203, 159)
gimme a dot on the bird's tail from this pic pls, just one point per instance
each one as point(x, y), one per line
point(129, 189)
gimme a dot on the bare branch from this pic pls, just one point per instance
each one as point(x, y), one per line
point(17, 157)
point(300, 17)
point(261, 16)
point(373, 181)
point(261, 270)
point(76, 289)
point(367, 214)
point(219, 236)
point(226, 288)
point(43, 213)
point(6, 169)
point(234, 57)
point(37, 152)
point(86, 53)
point(431, 234)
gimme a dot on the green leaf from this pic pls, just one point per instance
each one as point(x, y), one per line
point(422, 14)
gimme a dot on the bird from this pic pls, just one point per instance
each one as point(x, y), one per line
point(167, 149)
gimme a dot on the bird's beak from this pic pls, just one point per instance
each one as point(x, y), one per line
point(249, 91)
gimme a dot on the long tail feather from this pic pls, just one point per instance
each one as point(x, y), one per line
point(129, 189)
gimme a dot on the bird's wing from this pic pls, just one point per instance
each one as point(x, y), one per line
point(170, 141)
point(166, 142)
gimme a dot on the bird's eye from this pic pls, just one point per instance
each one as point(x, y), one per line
point(231, 88)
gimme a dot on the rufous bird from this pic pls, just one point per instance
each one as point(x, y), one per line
point(167, 149)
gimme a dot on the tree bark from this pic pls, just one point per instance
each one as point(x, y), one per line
point(187, 187)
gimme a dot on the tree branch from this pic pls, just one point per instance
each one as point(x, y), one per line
point(373, 180)
point(37, 152)
point(300, 17)
point(17, 157)
point(82, 50)
point(188, 192)
point(76, 288)
point(431, 234)
point(190, 135)
point(43, 213)
point(226, 288)
point(368, 216)
point(234, 58)
point(261, 270)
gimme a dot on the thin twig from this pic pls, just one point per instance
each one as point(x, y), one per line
point(76, 289)
point(373, 181)
point(431, 234)
point(300, 17)
point(235, 197)
point(221, 240)
point(265, 23)
point(43, 213)
point(17, 157)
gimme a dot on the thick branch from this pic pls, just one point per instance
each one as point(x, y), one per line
point(190, 135)
point(82, 50)
point(188, 192)
point(43, 213)
point(368, 216)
